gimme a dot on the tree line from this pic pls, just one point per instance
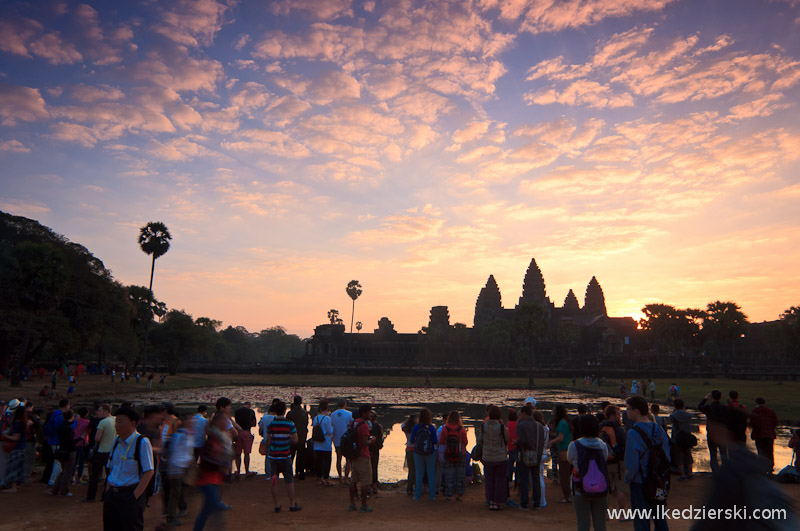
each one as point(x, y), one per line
point(60, 304)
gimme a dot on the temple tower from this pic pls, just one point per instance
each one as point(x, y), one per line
point(595, 302)
point(489, 304)
point(533, 288)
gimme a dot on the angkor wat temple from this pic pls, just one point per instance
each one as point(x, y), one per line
point(570, 336)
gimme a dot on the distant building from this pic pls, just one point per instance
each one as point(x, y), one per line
point(576, 336)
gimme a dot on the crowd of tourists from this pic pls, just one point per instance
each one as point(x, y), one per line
point(132, 456)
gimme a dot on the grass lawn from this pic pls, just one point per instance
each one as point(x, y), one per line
point(783, 397)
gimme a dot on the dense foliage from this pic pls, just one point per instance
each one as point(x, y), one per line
point(61, 304)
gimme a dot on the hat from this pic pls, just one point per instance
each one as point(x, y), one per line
point(530, 400)
point(13, 404)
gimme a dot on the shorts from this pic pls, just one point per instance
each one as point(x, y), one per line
point(361, 471)
point(683, 456)
point(276, 467)
point(244, 442)
point(616, 478)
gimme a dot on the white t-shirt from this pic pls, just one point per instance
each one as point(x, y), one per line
point(341, 418)
point(109, 428)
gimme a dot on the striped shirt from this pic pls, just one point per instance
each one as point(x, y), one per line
point(280, 432)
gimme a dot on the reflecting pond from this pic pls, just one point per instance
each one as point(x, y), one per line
point(393, 405)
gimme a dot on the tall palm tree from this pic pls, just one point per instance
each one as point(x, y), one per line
point(354, 290)
point(154, 240)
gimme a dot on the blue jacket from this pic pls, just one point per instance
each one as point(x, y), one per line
point(636, 453)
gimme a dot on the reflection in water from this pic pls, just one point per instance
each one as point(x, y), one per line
point(393, 406)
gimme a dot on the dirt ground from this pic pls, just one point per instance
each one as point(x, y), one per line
point(326, 507)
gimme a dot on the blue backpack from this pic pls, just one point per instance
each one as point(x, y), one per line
point(590, 477)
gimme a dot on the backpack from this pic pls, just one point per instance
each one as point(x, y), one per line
point(685, 439)
point(609, 436)
point(349, 442)
point(423, 442)
point(452, 445)
point(655, 486)
point(317, 435)
point(590, 477)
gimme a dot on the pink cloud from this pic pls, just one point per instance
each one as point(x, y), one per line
point(326, 10)
point(16, 35)
point(14, 146)
point(555, 15)
point(20, 104)
point(269, 142)
point(89, 94)
point(192, 22)
point(51, 47)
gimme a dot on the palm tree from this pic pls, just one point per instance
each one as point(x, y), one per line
point(154, 240)
point(354, 290)
point(359, 326)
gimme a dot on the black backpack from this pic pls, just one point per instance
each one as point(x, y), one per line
point(452, 445)
point(349, 442)
point(655, 486)
point(423, 442)
point(317, 435)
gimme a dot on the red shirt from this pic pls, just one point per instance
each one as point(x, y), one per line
point(512, 434)
point(362, 431)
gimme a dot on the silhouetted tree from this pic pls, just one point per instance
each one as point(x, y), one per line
point(41, 274)
point(333, 315)
point(354, 291)
point(790, 323)
point(359, 326)
point(671, 330)
point(154, 240)
point(531, 321)
point(724, 323)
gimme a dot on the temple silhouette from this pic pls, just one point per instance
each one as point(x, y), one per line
point(572, 336)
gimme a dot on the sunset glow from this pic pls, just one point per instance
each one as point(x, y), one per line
point(294, 145)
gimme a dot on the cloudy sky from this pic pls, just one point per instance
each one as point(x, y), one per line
point(417, 146)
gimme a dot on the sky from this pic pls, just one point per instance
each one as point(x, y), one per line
point(416, 146)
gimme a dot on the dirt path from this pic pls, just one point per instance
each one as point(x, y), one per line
point(326, 507)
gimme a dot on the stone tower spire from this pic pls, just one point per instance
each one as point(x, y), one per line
point(571, 304)
point(533, 288)
point(595, 302)
point(489, 304)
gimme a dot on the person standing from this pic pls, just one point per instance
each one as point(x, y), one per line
point(616, 437)
point(200, 425)
point(408, 427)
point(453, 441)
point(424, 437)
point(341, 419)
point(682, 439)
point(299, 416)
point(560, 440)
point(280, 435)
point(246, 418)
point(104, 439)
point(736, 417)
point(764, 424)
point(531, 444)
point(53, 466)
point(637, 458)
point(322, 445)
point(362, 465)
point(65, 455)
point(590, 509)
point(179, 454)
point(715, 417)
point(131, 467)
point(376, 431)
point(14, 441)
point(652, 390)
point(493, 435)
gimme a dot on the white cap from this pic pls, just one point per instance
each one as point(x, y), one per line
point(530, 400)
point(13, 404)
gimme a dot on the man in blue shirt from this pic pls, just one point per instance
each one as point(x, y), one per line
point(341, 419)
point(637, 457)
point(130, 470)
